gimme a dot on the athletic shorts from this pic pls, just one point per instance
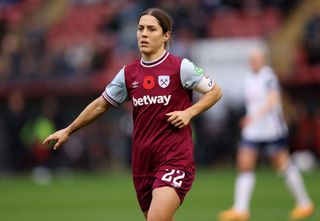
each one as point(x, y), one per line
point(266, 147)
point(180, 180)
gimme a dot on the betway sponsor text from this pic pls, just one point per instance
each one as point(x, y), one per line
point(146, 100)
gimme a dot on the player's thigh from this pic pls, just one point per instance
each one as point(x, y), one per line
point(280, 159)
point(246, 158)
point(165, 201)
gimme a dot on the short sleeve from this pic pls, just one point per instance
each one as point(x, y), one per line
point(271, 80)
point(116, 92)
point(193, 77)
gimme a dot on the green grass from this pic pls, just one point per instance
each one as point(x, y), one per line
point(112, 197)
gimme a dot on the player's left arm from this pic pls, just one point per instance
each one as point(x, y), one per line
point(272, 100)
point(211, 95)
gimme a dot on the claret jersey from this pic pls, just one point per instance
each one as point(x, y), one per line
point(154, 89)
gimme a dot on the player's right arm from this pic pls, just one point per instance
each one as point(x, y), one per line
point(95, 109)
point(115, 93)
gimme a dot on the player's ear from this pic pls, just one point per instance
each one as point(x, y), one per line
point(166, 36)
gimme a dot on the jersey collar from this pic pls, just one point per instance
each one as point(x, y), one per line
point(149, 64)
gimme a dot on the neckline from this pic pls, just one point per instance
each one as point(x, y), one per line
point(156, 61)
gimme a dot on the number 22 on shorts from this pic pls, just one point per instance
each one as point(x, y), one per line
point(174, 177)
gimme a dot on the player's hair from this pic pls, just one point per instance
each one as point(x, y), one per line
point(164, 19)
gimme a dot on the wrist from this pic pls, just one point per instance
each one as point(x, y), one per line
point(192, 113)
point(70, 130)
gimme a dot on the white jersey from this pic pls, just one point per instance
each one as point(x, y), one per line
point(272, 125)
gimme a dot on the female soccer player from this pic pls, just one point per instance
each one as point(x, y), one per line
point(264, 130)
point(159, 86)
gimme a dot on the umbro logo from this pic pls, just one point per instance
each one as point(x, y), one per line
point(135, 84)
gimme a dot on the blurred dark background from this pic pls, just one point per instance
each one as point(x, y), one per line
point(57, 56)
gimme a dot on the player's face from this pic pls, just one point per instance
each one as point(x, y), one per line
point(256, 62)
point(151, 38)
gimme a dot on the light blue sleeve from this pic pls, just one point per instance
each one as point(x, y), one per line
point(116, 92)
point(190, 74)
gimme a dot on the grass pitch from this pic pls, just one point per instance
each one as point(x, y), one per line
point(111, 197)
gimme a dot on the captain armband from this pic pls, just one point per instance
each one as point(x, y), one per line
point(205, 85)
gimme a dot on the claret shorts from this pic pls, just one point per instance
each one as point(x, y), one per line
point(180, 180)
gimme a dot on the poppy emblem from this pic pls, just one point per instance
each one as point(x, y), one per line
point(148, 82)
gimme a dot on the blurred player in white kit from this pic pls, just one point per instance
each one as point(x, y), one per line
point(264, 131)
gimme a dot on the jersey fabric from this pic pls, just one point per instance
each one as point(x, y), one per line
point(161, 153)
point(271, 126)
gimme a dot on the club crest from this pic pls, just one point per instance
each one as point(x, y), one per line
point(164, 81)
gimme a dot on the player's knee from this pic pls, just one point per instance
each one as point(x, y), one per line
point(245, 167)
point(281, 168)
point(281, 163)
point(286, 169)
point(157, 216)
point(246, 160)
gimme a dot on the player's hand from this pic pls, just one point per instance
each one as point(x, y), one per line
point(245, 121)
point(56, 139)
point(179, 119)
